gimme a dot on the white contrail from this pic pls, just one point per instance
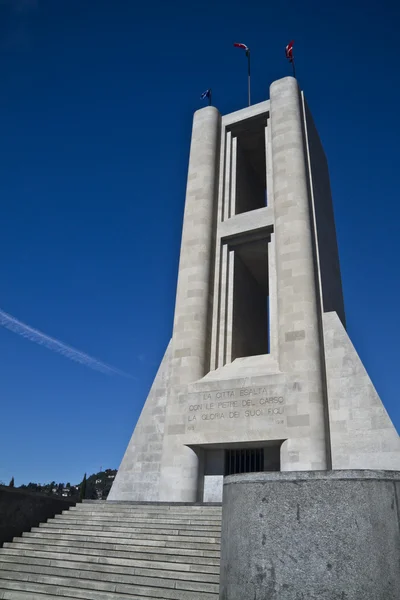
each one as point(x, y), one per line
point(34, 335)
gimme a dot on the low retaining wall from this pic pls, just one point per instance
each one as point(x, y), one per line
point(321, 535)
point(21, 510)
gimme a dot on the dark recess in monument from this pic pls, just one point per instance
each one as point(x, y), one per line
point(251, 181)
point(250, 323)
point(252, 460)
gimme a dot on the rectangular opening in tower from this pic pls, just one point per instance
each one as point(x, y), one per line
point(251, 180)
point(250, 311)
point(253, 460)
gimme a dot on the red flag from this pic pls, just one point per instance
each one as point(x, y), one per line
point(289, 51)
point(243, 46)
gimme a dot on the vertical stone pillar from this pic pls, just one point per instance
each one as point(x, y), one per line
point(191, 332)
point(298, 306)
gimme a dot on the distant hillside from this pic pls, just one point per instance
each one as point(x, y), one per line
point(98, 486)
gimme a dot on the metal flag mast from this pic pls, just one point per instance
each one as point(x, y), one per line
point(247, 49)
point(248, 73)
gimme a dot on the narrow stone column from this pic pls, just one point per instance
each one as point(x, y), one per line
point(192, 297)
point(298, 306)
point(191, 332)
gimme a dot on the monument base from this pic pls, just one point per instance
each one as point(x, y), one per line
point(326, 535)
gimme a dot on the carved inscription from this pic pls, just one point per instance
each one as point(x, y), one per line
point(244, 403)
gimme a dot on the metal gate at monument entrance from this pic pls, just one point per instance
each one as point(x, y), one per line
point(220, 460)
point(250, 460)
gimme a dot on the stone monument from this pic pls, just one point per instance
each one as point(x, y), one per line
point(260, 374)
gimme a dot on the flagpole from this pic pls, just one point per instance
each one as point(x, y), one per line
point(248, 74)
point(247, 49)
point(294, 69)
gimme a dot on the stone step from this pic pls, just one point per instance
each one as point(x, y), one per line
point(186, 510)
point(117, 551)
point(91, 589)
point(31, 591)
point(159, 541)
point(18, 595)
point(145, 561)
point(144, 519)
point(201, 517)
point(198, 563)
point(167, 505)
point(73, 577)
point(129, 528)
point(214, 522)
point(83, 518)
point(147, 509)
point(141, 525)
point(189, 552)
point(150, 502)
point(161, 570)
point(152, 519)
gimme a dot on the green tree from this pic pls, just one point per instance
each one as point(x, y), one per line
point(11, 484)
point(91, 492)
point(82, 490)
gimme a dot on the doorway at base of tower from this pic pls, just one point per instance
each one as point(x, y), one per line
point(219, 460)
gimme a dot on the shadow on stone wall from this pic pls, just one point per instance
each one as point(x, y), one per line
point(21, 510)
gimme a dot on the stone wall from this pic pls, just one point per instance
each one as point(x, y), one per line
point(326, 535)
point(362, 434)
point(328, 253)
point(21, 510)
point(138, 476)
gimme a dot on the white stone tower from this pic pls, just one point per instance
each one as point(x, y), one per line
point(260, 374)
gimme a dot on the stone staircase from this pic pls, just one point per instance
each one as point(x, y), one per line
point(117, 551)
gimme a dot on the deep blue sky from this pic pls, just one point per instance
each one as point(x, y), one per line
point(96, 102)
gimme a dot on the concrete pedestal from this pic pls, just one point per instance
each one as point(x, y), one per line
point(320, 535)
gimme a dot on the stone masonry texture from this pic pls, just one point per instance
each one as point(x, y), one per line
point(311, 536)
point(308, 394)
